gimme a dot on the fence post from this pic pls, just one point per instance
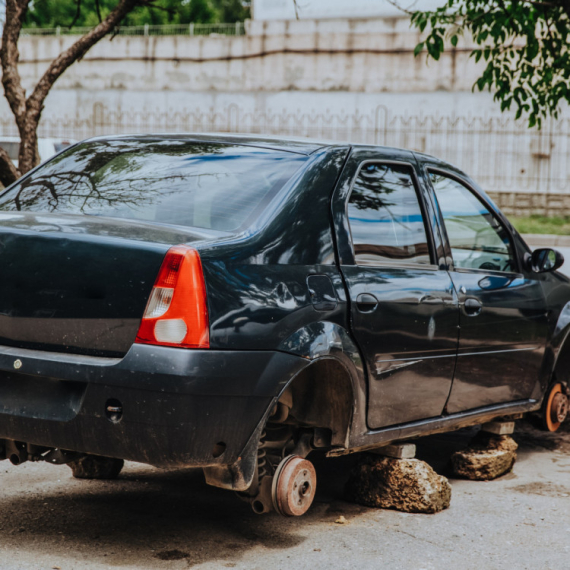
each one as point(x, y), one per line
point(58, 31)
point(238, 28)
point(146, 29)
point(232, 124)
point(98, 118)
point(191, 29)
point(380, 125)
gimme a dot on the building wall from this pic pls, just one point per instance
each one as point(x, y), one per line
point(353, 80)
point(368, 56)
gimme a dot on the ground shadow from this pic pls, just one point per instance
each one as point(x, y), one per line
point(149, 515)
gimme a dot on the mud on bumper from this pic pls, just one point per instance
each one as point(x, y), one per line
point(179, 407)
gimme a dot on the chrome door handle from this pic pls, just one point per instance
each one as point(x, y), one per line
point(366, 303)
point(472, 306)
point(431, 300)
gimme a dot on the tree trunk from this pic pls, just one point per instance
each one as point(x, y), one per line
point(8, 172)
point(29, 156)
point(28, 111)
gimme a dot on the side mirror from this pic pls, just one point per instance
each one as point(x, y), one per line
point(545, 259)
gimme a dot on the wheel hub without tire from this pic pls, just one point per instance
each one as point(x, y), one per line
point(294, 486)
point(559, 409)
point(556, 408)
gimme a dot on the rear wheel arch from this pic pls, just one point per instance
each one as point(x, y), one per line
point(324, 395)
point(335, 371)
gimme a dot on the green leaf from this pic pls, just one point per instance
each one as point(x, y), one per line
point(532, 121)
point(418, 49)
point(525, 46)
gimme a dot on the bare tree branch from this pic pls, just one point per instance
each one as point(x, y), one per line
point(77, 14)
point(296, 9)
point(35, 102)
point(98, 9)
point(401, 8)
point(78, 50)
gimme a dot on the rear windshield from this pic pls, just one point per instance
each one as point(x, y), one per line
point(205, 185)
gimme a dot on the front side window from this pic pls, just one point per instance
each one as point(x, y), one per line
point(385, 217)
point(477, 239)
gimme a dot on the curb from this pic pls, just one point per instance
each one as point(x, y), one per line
point(547, 240)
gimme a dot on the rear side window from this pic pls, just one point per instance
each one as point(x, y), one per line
point(206, 185)
point(385, 217)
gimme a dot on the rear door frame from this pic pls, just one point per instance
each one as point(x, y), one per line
point(358, 157)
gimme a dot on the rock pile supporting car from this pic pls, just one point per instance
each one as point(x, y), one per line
point(408, 485)
point(488, 456)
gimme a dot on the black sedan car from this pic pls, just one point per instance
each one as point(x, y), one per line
point(234, 303)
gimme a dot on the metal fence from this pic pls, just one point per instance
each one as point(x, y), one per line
point(237, 29)
point(502, 154)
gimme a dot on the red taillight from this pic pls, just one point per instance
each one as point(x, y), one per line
point(176, 313)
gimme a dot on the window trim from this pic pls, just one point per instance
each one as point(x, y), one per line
point(427, 227)
point(470, 188)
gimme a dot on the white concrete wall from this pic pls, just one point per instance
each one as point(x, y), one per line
point(374, 56)
point(354, 80)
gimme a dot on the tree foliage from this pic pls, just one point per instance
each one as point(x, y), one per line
point(233, 10)
point(524, 43)
point(87, 13)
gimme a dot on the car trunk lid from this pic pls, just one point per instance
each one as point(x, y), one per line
point(79, 284)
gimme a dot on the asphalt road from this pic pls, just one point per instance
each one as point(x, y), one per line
point(153, 519)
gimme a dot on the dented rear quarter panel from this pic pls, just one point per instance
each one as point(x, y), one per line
point(256, 282)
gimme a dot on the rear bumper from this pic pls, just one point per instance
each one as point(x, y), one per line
point(177, 404)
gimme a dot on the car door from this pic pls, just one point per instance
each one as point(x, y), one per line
point(404, 312)
point(503, 319)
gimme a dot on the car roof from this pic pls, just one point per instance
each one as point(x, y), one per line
point(276, 142)
point(299, 146)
